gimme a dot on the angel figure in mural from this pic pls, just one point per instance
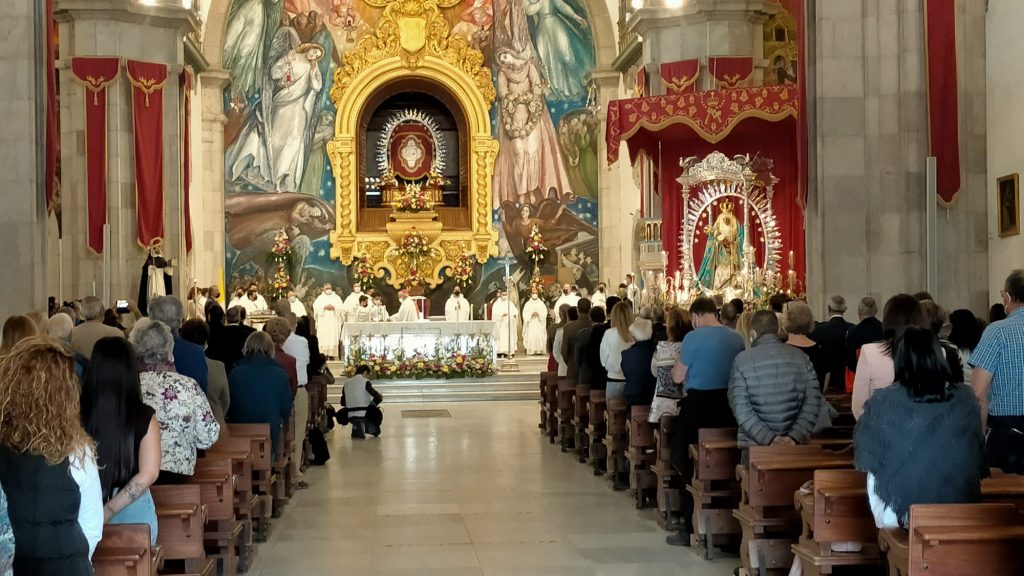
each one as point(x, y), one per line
point(270, 152)
point(250, 27)
point(254, 218)
point(475, 23)
point(555, 222)
point(528, 161)
point(720, 268)
point(563, 45)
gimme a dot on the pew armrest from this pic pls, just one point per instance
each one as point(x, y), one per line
point(119, 554)
point(933, 535)
point(183, 511)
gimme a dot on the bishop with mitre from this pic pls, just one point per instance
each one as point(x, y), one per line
point(407, 311)
point(328, 310)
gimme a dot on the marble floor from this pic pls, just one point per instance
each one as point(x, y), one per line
point(479, 493)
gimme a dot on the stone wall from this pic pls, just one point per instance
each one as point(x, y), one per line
point(867, 200)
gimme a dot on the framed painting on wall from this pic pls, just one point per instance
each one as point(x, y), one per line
point(1008, 204)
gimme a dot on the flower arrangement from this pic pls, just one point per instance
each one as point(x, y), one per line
point(445, 362)
point(281, 256)
point(535, 247)
point(537, 283)
point(414, 246)
point(414, 199)
point(462, 271)
point(363, 270)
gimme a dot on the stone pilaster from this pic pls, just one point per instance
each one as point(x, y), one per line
point(208, 181)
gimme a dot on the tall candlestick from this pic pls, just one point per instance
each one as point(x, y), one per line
point(791, 260)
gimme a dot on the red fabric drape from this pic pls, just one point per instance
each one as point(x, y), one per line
point(147, 79)
point(52, 180)
point(680, 77)
point(186, 154)
point(96, 74)
point(943, 108)
point(729, 71)
point(641, 81)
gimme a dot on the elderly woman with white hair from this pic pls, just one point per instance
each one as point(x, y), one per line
point(59, 326)
point(186, 419)
point(260, 393)
point(189, 358)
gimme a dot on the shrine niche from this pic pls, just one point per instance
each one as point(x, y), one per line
point(388, 199)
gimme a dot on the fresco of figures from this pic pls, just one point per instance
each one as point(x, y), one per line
point(282, 55)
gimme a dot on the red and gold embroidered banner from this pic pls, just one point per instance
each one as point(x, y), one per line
point(147, 79)
point(96, 74)
point(186, 154)
point(943, 108)
point(729, 71)
point(711, 114)
point(411, 151)
point(680, 77)
point(640, 84)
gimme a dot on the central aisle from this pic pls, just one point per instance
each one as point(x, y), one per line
point(477, 493)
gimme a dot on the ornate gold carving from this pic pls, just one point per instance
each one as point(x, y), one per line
point(412, 39)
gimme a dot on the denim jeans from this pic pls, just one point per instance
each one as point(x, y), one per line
point(142, 511)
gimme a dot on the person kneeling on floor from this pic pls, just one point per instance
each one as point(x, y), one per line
point(361, 404)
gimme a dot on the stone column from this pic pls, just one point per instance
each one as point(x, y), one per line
point(131, 30)
point(208, 186)
point(23, 222)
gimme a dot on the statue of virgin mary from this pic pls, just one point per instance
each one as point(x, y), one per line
point(720, 268)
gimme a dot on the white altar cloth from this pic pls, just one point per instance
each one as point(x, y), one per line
point(416, 337)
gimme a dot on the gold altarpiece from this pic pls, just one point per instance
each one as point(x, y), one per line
point(412, 40)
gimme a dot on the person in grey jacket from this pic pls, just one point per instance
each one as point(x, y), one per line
point(773, 389)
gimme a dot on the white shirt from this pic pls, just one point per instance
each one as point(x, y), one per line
point(90, 510)
point(298, 347)
point(612, 346)
point(298, 308)
point(571, 299)
point(456, 309)
point(357, 396)
point(599, 299)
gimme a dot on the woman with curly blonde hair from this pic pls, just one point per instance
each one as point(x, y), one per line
point(47, 463)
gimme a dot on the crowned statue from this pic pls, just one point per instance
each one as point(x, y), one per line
point(723, 259)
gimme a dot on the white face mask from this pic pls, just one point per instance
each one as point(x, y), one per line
point(292, 299)
point(534, 296)
point(358, 290)
point(328, 291)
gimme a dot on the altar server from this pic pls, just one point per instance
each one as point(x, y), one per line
point(568, 297)
point(457, 308)
point(507, 316)
point(633, 292)
point(363, 311)
point(352, 302)
point(378, 311)
point(407, 311)
point(328, 309)
point(297, 307)
point(600, 296)
point(535, 335)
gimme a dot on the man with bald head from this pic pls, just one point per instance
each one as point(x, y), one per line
point(85, 335)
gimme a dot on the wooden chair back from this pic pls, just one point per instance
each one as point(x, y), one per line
point(841, 510)
point(776, 472)
point(179, 512)
point(641, 432)
point(214, 475)
point(717, 454)
point(240, 450)
point(124, 551)
point(958, 539)
point(259, 435)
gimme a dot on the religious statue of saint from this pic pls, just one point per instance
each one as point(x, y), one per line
point(720, 268)
point(411, 153)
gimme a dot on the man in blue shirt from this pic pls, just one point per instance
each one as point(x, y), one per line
point(998, 380)
point(704, 367)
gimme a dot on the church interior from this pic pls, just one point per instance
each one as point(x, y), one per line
point(443, 205)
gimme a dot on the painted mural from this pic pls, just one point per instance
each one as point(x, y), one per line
point(282, 55)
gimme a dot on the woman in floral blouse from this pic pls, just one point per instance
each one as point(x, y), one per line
point(186, 420)
point(6, 539)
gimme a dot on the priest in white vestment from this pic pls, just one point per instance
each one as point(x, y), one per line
point(535, 334)
point(296, 305)
point(600, 296)
point(407, 311)
point(378, 311)
point(352, 302)
point(568, 297)
point(363, 311)
point(328, 309)
point(457, 308)
point(506, 316)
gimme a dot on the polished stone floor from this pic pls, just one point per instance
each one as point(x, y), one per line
point(479, 493)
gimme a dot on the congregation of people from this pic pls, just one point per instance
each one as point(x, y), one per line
point(937, 398)
point(94, 414)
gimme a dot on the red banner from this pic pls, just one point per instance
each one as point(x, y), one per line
point(712, 115)
point(729, 71)
point(96, 74)
point(147, 79)
point(943, 108)
point(411, 151)
point(52, 177)
point(640, 85)
point(186, 154)
point(680, 77)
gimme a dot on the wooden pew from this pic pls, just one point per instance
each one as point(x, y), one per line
point(580, 421)
point(124, 551)
point(222, 532)
point(180, 517)
point(545, 380)
point(597, 428)
point(551, 400)
point(264, 478)
point(1002, 488)
point(767, 518)
point(714, 488)
point(245, 501)
point(955, 540)
point(566, 396)
point(836, 510)
point(668, 481)
point(616, 442)
point(641, 456)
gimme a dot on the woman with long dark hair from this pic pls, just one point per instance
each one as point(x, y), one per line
point(126, 432)
point(920, 440)
point(965, 334)
point(875, 368)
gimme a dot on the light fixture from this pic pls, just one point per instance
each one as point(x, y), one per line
point(674, 4)
point(636, 4)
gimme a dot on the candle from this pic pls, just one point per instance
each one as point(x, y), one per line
point(677, 278)
point(791, 260)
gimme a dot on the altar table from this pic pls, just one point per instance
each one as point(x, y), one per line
point(424, 337)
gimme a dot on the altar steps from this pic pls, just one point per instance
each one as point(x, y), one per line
point(522, 385)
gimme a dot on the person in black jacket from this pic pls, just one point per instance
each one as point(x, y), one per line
point(581, 343)
point(228, 348)
point(636, 365)
point(592, 352)
point(867, 331)
point(831, 335)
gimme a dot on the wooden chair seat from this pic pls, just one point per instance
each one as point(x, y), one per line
point(124, 551)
